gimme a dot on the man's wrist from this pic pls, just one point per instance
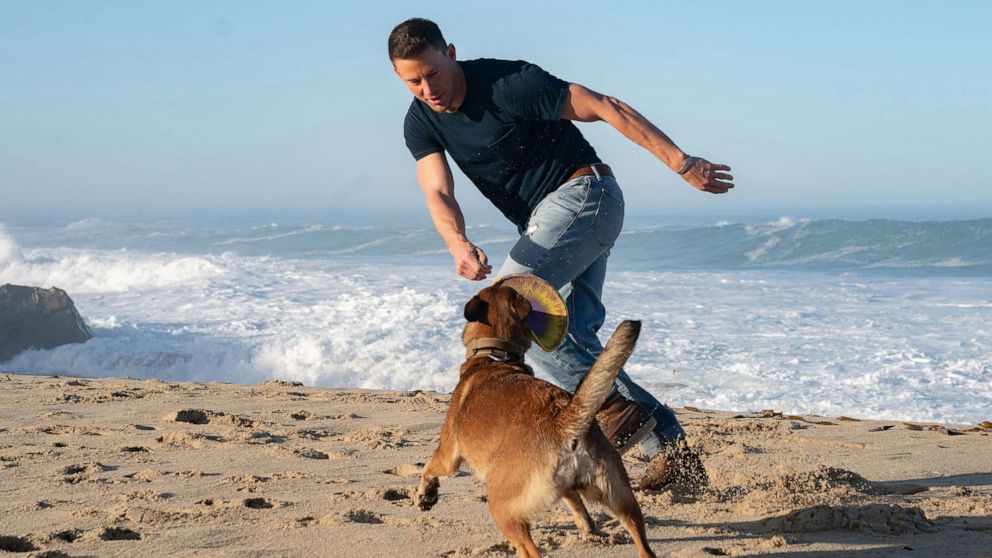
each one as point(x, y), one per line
point(686, 165)
point(458, 245)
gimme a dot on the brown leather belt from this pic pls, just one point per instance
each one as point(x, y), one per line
point(602, 169)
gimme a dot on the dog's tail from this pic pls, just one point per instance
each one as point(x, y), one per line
point(574, 421)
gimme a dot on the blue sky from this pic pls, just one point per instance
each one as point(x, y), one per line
point(823, 109)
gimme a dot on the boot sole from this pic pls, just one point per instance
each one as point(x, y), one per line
point(637, 436)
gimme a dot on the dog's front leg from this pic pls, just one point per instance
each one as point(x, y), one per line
point(443, 463)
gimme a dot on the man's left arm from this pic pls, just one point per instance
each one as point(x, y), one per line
point(585, 105)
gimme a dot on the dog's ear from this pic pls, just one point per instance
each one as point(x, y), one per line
point(520, 307)
point(476, 310)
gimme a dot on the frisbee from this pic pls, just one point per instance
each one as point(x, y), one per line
point(548, 319)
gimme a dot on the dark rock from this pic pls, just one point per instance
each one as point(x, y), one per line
point(31, 317)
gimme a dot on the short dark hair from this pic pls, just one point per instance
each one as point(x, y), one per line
point(413, 36)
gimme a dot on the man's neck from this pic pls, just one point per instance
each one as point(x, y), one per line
point(459, 97)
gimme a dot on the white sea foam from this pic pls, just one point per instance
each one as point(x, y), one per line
point(8, 249)
point(871, 346)
point(99, 271)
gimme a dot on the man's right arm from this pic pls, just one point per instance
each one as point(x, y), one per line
point(438, 185)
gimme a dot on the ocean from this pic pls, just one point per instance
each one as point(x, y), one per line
point(879, 319)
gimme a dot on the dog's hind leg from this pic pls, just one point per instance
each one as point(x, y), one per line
point(619, 499)
point(443, 463)
point(516, 530)
point(581, 516)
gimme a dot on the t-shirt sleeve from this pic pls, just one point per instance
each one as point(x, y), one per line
point(419, 140)
point(532, 93)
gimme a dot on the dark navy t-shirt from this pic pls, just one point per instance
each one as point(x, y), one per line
point(507, 136)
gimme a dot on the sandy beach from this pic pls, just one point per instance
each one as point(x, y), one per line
point(124, 467)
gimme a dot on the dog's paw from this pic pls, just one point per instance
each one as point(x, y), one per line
point(426, 501)
point(426, 495)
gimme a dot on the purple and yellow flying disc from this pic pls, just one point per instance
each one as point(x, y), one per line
point(548, 319)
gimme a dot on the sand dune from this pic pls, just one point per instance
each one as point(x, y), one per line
point(121, 467)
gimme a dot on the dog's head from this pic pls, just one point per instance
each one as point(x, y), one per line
point(499, 312)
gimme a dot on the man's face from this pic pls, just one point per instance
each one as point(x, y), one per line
point(433, 76)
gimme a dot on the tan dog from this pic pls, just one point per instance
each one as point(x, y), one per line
point(529, 441)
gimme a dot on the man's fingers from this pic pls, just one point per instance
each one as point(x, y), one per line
point(473, 270)
point(482, 257)
point(473, 274)
point(705, 177)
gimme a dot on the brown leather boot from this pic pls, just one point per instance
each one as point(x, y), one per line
point(677, 465)
point(624, 422)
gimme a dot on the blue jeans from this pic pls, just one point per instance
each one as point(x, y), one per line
point(566, 242)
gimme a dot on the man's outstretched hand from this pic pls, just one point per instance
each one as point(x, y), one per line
point(471, 262)
point(709, 177)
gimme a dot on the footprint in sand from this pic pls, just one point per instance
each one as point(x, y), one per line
point(93, 467)
point(69, 535)
point(263, 503)
point(134, 449)
point(118, 534)
point(202, 416)
point(81, 472)
point(192, 416)
point(10, 543)
point(392, 494)
point(352, 516)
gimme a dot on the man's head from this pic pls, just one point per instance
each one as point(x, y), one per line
point(426, 64)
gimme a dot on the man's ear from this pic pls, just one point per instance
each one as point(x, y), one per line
point(521, 307)
point(476, 310)
point(451, 51)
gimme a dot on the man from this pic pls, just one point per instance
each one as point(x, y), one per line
point(508, 126)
